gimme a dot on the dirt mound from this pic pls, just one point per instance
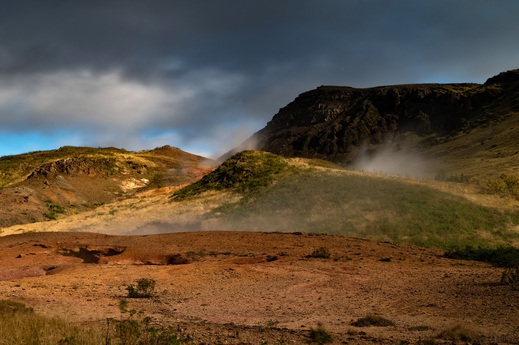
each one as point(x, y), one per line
point(248, 288)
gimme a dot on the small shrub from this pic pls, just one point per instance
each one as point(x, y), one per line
point(459, 333)
point(373, 320)
point(320, 253)
point(501, 256)
point(510, 276)
point(54, 210)
point(145, 289)
point(271, 258)
point(272, 323)
point(142, 330)
point(320, 335)
point(505, 184)
point(177, 259)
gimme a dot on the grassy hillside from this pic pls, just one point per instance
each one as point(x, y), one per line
point(16, 168)
point(295, 197)
point(246, 171)
point(257, 191)
point(48, 185)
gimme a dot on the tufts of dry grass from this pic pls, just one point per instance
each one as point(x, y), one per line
point(459, 333)
point(373, 320)
point(20, 325)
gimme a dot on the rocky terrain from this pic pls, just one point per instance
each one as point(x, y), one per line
point(263, 288)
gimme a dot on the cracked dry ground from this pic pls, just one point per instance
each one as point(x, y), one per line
point(253, 288)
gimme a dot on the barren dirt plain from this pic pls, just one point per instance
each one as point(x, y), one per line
point(261, 288)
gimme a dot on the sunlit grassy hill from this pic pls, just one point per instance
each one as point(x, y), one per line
point(47, 185)
point(294, 195)
point(259, 191)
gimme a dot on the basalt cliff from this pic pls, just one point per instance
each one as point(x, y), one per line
point(337, 123)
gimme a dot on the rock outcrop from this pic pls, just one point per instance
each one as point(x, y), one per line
point(334, 123)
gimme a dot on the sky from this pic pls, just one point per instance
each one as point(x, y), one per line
point(205, 75)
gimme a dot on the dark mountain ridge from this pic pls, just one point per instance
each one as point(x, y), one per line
point(336, 123)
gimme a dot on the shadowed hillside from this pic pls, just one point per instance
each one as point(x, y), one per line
point(433, 122)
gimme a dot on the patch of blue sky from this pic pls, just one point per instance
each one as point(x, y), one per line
point(12, 143)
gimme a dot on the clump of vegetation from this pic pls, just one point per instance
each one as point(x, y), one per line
point(320, 335)
point(320, 253)
point(20, 325)
point(507, 257)
point(506, 184)
point(246, 171)
point(136, 328)
point(145, 288)
point(177, 259)
point(11, 307)
point(54, 210)
point(373, 320)
point(420, 328)
point(510, 276)
point(500, 256)
point(459, 333)
point(271, 258)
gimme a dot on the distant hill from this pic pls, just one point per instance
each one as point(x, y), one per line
point(448, 123)
point(47, 185)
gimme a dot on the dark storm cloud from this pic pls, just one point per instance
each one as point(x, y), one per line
point(140, 73)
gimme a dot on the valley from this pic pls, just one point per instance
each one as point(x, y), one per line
point(397, 205)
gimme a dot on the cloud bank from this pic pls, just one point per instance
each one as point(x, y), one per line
point(203, 76)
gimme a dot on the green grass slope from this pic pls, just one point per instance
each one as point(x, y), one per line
point(300, 197)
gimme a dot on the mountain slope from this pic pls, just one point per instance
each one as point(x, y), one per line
point(50, 184)
point(258, 191)
point(306, 196)
point(345, 125)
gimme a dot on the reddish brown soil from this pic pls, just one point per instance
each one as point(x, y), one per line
point(249, 288)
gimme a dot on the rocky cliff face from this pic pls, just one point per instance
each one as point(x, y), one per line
point(334, 123)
